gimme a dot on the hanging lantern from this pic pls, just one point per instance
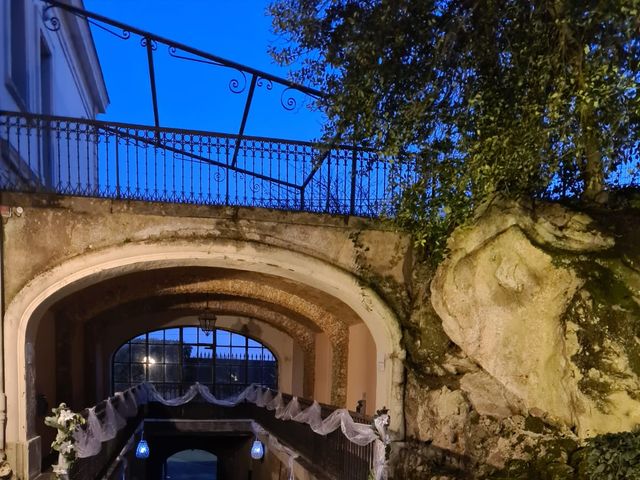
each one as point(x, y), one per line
point(142, 450)
point(207, 320)
point(257, 450)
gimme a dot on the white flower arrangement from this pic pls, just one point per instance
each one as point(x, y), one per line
point(66, 422)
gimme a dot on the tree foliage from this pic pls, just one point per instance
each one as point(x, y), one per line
point(518, 97)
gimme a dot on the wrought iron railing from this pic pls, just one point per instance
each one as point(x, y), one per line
point(72, 156)
point(245, 77)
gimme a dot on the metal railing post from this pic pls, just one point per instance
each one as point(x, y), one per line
point(117, 168)
point(354, 165)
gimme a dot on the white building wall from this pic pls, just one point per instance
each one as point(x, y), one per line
point(78, 87)
point(63, 78)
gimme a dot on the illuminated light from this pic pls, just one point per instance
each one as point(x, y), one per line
point(148, 360)
point(142, 450)
point(257, 450)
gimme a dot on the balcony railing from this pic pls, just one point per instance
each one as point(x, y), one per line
point(114, 160)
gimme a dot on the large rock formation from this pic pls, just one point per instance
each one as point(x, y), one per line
point(545, 300)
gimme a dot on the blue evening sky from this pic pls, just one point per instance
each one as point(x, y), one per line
point(192, 95)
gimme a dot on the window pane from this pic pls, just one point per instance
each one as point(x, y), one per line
point(156, 337)
point(172, 335)
point(171, 353)
point(254, 372)
point(155, 373)
point(122, 355)
point(204, 353)
point(171, 373)
point(236, 374)
point(139, 339)
point(237, 340)
point(138, 353)
point(268, 355)
point(189, 352)
point(223, 337)
point(222, 374)
point(121, 372)
point(223, 352)
point(204, 373)
point(254, 353)
point(155, 354)
point(238, 353)
point(253, 343)
point(138, 373)
point(190, 335)
point(204, 337)
point(188, 374)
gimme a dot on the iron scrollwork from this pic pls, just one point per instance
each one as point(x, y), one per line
point(235, 84)
point(219, 176)
point(144, 41)
point(264, 82)
point(125, 35)
point(50, 21)
point(287, 100)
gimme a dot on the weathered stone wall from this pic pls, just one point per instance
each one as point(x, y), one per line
point(525, 341)
point(53, 229)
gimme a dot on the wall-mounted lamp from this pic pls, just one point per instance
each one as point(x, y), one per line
point(257, 450)
point(142, 450)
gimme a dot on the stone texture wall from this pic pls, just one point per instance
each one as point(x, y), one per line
point(53, 229)
point(524, 342)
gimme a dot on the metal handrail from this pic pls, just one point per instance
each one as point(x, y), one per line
point(72, 156)
point(182, 131)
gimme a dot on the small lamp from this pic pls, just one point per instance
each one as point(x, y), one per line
point(207, 320)
point(257, 450)
point(142, 450)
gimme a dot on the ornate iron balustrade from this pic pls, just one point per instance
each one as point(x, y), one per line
point(72, 156)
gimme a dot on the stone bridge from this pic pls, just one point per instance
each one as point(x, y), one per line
point(81, 276)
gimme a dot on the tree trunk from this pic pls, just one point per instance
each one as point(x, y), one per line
point(592, 171)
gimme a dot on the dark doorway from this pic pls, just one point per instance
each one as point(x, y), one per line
point(191, 465)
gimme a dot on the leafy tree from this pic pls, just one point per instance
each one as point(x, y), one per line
point(536, 98)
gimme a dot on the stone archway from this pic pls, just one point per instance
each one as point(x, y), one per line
point(26, 309)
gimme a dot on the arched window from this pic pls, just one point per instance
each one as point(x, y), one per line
point(173, 359)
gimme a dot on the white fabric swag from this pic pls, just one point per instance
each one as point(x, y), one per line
point(89, 438)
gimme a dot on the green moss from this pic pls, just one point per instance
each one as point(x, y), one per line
point(534, 424)
point(608, 312)
point(549, 460)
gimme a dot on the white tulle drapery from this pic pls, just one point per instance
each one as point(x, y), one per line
point(89, 438)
